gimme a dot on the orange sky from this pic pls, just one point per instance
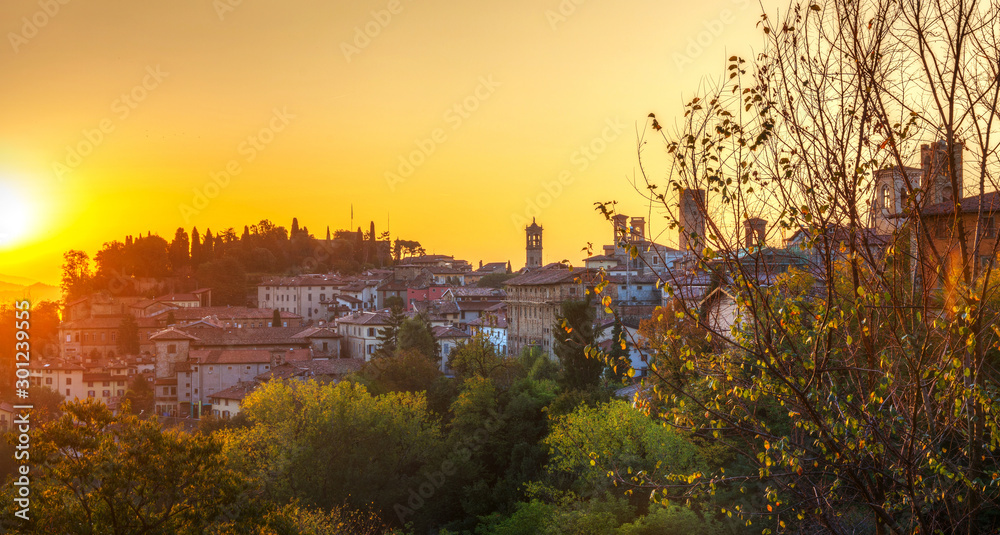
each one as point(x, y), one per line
point(114, 115)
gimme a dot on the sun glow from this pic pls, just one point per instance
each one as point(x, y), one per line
point(16, 215)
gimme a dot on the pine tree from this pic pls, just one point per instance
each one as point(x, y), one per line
point(388, 336)
point(276, 318)
point(197, 254)
point(128, 336)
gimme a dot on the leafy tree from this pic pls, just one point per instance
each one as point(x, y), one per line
point(77, 277)
point(94, 472)
point(171, 319)
point(416, 334)
point(226, 278)
point(139, 396)
point(867, 401)
point(276, 319)
point(478, 357)
point(335, 444)
point(619, 362)
point(128, 335)
point(589, 443)
point(574, 335)
point(407, 370)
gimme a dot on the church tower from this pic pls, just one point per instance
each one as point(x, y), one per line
point(534, 245)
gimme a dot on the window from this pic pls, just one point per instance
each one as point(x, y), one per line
point(989, 226)
point(69, 381)
point(121, 393)
point(90, 393)
point(941, 229)
point(90, 383)
point(171, 348)
point(371, 331)
point(114, 337)
point(106, 393)
point(67, 392)
point(106, 383)
point(48, 380)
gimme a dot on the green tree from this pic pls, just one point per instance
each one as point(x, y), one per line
point(415, 334)
point(574, 336)
point(139, 396)
point(478, 357)
point(94, 472)
point(332, 444)
point(388, 336)
point(226, 278)
point(128, 336)
point(865, 402)
point(180, 251)
point(77, 278)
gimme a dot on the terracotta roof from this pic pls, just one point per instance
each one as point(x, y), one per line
point(230, 313)
point(365, 318)
point(105, 322)
point(311, 368)
point(281, 336)
point(242, 356)
point(172, 333)
point(550, 275)
point(318, 332)
point(446, 331)
point(54, 364)
point(476, 306)
point(492, 267)
point(472, 291)
point(990, 203)
point(169, 298)
point(238, 391)
point(393, 286)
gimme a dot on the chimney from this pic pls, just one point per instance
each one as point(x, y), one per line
point(277, 357)
point(755, 230)
point(692, 219)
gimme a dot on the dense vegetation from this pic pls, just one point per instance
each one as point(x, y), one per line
point(223, 261)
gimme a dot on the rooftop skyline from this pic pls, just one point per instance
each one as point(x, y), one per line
point(456, 123)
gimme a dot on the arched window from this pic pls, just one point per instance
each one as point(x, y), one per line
point(886, 198)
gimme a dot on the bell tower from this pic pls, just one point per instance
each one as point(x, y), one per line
point(533, 233)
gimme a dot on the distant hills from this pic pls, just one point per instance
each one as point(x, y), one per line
point(13, 288)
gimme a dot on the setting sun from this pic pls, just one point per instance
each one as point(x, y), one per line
point(16, 214)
